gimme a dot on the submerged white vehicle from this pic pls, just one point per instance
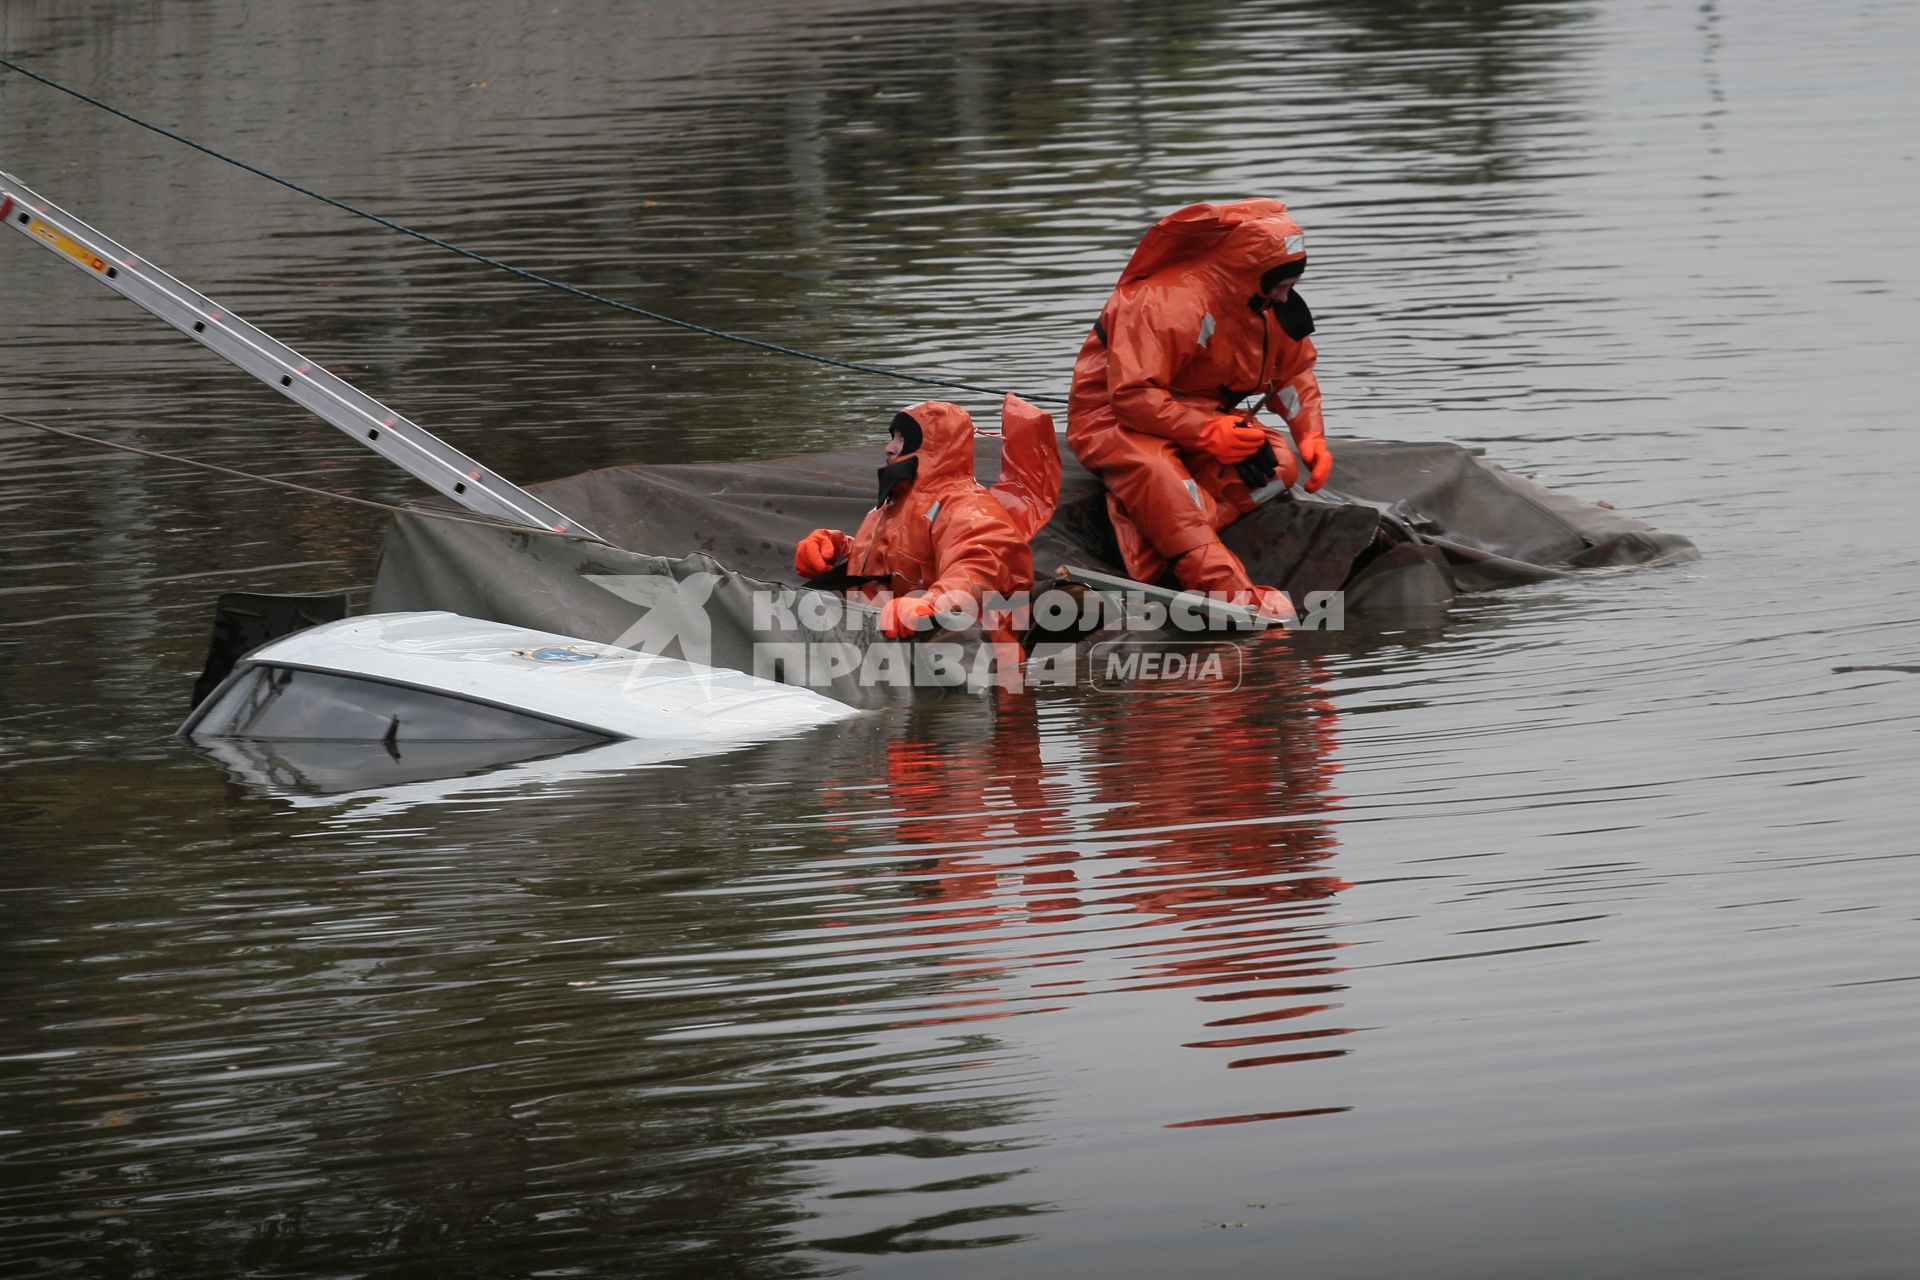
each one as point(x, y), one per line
point(396, 682)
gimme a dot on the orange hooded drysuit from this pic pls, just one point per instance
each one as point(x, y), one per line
point(1189, 334)
point(936, 529)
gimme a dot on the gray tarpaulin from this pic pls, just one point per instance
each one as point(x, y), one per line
point(703, 566)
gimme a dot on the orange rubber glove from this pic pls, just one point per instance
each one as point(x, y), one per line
point(1319, 460)
point(819, 550)
point(901, 616)
point(1232, 438)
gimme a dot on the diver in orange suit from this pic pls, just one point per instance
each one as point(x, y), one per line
point(937, 533)
point(1204, 317)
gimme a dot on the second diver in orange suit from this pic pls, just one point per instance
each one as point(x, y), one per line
point(1204, 317)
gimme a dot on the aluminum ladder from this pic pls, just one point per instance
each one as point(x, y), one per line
point(407, 445)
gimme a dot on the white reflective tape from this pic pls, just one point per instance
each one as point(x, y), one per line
point(1193, 491)
point(1206, 329)
point(1290, 402)
point(1296, 244)
point(932, 511)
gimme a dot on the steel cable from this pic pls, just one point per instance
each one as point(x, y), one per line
point(520, 272)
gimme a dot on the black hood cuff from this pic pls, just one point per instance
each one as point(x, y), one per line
point(1285, 271)
point(1296, 321)
point(907, 427)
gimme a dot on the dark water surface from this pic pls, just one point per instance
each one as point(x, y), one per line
point(1576, 936)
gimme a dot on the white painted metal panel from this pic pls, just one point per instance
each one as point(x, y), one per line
point(616, 691)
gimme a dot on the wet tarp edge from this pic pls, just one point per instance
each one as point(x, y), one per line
point(704, 556)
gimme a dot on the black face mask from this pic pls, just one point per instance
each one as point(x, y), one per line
point(893, 473)
point(1295, 320)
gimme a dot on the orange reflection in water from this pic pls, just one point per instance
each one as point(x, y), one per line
point(1125, 845)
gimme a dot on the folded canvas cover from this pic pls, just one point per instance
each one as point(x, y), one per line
point(703, 566)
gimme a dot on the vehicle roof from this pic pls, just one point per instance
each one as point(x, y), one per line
point(618, 691)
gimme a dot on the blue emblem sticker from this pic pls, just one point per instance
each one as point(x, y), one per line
point(559, 653)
